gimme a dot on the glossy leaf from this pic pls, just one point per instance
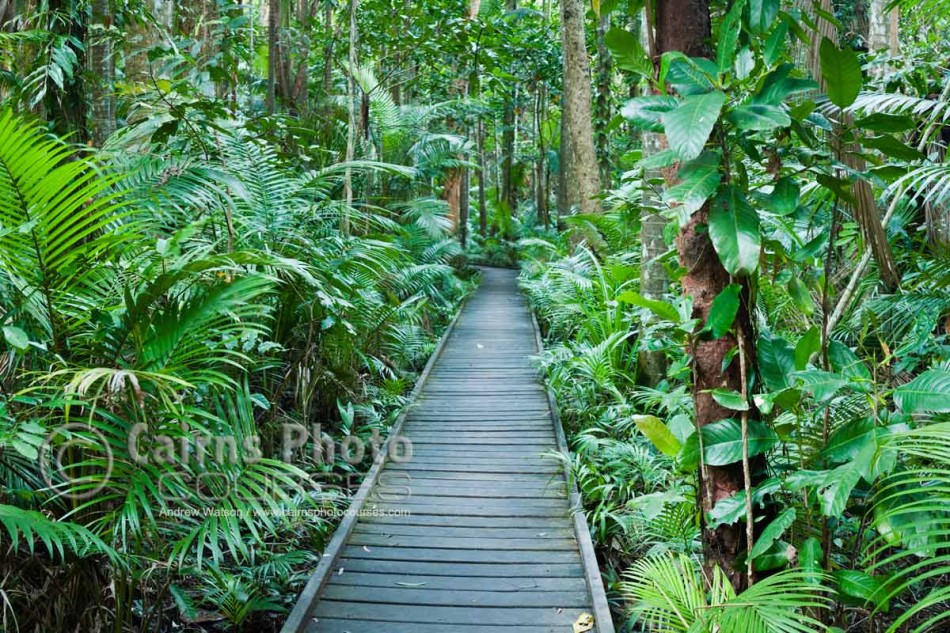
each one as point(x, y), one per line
point(699, 180)
point(722, 312)
point(734, 231)
point(659, 435)
point(841, 69)
point(773, 531)
point(928, 392)
point(722, 441)
point(688, 126)
point(759, 117)
point(776, 362)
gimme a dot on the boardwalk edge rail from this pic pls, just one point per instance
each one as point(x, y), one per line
point(602, 618)
point(297, 620)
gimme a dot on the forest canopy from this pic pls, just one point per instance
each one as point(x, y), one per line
point(223, 222)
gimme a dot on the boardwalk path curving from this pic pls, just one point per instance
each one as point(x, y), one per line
point(474, 533)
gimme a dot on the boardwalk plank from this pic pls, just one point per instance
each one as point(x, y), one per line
point(472, 530)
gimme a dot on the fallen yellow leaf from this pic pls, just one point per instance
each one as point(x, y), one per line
point(584, 622)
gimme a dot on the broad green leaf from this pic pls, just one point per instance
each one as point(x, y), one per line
point(730, 399)
point(848, 440)
point(731, 509)
point(846, 362)
point(776, 362)
point(775, 45)
point(647, 112)
point(862, 587)
point(690, 75)
point(810, 556)
point(627, 52)
point(761, 15)
point(841, 187)
point(928, 392)
point(758, 117)
point(729, 37)
point(808, 344)
point(801, 295)
point(25, 449)
point(837, 489)
point(890, 146)
point(773, 531)
point(666, 158)
point(662, 309)
point(841, 69)
point(682, 427)
point(688, 127)
point(745, 63)
point(887, 123)
point(658, 434)
point(16, 337)
point(722, 312)
point(722, 441)
point(823, 385)
point(734, 231)
point(699, 180)
point(775, 557)
point(779, 84)
point(784, 197)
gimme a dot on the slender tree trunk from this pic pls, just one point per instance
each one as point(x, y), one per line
point(452, 194)
point(331, 36)
point(883, 32)
point(101, 63)
point(541, 200)
point(273, 48)
point(577, 104)
point(603, 117)
point(654, 281)
point(482, 174)
point(566, 189)
point(352, 106)
point(508, 194)
point(301, 90)
point(684, 25)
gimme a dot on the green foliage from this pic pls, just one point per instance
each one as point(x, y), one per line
point(669, 594)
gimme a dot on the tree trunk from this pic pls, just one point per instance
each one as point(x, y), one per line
point(566, 189)
point(684, 25)
point(101, 64)
point(482, 206)
point(577, 104)
point(879, 28)
point(301, 90)
point(654, 281)
point(464, 206)
point(507, 193)
point(273, 48)
point(452, 194)
point(603, 98)
point(331, 36)
point(541, 200)
point(352, 119)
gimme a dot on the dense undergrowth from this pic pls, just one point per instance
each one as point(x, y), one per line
point(875, 483)
point(855, 435)
point(168, 309)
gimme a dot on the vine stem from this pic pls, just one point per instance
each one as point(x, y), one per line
point(746, 467)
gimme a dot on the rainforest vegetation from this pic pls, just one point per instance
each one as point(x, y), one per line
point(732, 219)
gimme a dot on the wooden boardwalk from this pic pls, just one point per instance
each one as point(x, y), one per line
point(475, 532)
